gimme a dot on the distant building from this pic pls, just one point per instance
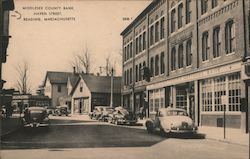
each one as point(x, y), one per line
point(91, 91)
point(198, 55)
point(22, 101)
point(58, 85)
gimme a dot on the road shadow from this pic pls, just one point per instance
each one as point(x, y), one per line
point(181, 135)
point(79, 136)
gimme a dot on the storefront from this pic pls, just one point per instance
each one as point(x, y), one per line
point(217, 94)
point(203, 94)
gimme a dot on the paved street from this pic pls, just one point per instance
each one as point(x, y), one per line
point(69, 138)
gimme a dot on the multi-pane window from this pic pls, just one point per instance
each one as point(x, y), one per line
point(214, 3)
point(188, 11)
point(156, 65)
point(156, 99)
point(136, 73)
point(130, 76)
point(206, 95)
point(144, 40)
point(143, 65)
point(125, 78)
point(219, 91)
point(125, 53)
point(156, 31)
point(205, 47)
point(162, 64)
point(215, 90)
point(216, 42)
point(189, 52)
point(140, 72)
point(136, 46)
point(203, 6)
point(173, 21)
point(181, 99)
point(230, 37)
point(180, 56)
point(152, 35)
point(180, 16)
point(152, 66)
point(140, 47)
point(173, 59)
point(131, 50)
point(128, 56)
point(162, 29)
point(234, 92)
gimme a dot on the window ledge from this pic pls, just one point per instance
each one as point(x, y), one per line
point(205, 61)
point(231, 53)
point(216, 58)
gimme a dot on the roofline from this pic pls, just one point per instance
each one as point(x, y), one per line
point(143, 13)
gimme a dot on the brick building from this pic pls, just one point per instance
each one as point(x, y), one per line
point(197, 52)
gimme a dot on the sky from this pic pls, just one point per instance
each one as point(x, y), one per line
point(51, 45)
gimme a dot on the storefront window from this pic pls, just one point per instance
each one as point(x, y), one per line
point(234, 92)
point(213, 89)
point(181, 99)
point(156, 99)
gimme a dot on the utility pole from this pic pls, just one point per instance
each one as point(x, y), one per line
point(111, 95)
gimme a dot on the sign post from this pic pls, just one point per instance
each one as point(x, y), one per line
point(224, 103)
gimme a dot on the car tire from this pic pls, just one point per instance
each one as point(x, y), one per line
point(116, 122)
point(150, 127)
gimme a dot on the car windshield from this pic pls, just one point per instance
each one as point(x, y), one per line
point(176, 113)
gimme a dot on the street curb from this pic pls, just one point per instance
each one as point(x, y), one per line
point(225, 141)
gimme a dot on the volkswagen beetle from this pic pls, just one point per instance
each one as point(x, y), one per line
point(169, 120)
point(35, 116)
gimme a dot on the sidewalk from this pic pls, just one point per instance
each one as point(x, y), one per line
point(10, 124)
point(235, 136)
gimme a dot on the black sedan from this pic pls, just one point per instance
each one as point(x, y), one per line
point(35, 116)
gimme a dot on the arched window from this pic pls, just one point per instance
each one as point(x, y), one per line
point(180, 56)
point(162, 63)
point(230, 37)
point(156, 65)
point(173, 59)
point(205, 46)
point(173, 21)
point(152, 66)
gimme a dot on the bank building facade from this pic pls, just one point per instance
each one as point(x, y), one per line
point(190, 54)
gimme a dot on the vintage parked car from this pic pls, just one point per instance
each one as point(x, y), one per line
point(97, 112)
point(35, 116)
point(61, 110)
point(122, 116)
point(169, 120)
point(105, 113)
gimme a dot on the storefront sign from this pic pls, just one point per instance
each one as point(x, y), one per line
point(198, 75)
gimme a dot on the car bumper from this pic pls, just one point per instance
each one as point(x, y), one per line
point(44, 122)
point(124, 121)
point(182, 130)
